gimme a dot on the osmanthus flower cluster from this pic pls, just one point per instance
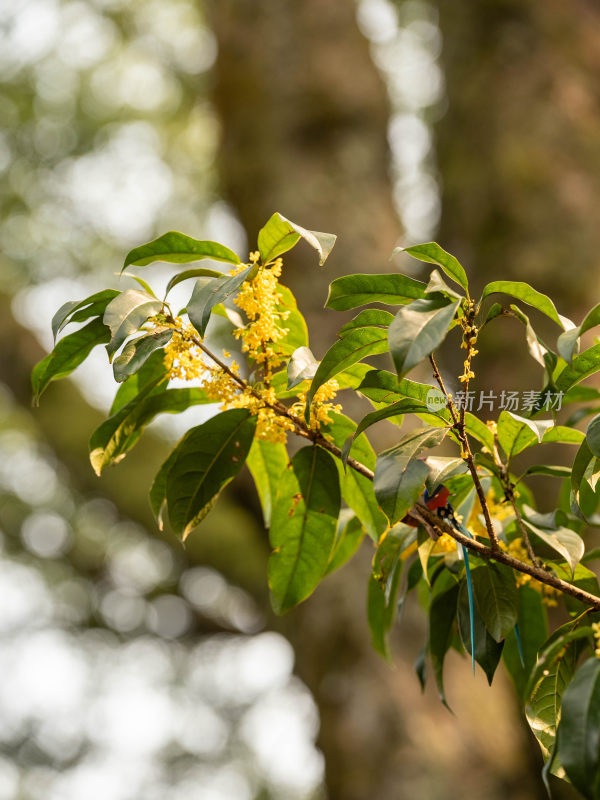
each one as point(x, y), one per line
point(449, 509)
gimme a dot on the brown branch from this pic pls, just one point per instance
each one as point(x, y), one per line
point(421, 512)
point(490, 554)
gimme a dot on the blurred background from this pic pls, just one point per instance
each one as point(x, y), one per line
point(134, 669)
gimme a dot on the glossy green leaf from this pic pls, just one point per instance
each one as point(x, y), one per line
point(158, 490)
point(584, 365)
point(126, 314)
point(179, 249)
point(295, 324)
point(392, 289)
point(381, 386)
point(153, 367)
point(442, 613)
point(441, 468)
point(533, 629)
point(438, 285)
point(553, 471)
point(137, 352)
point(303, 526)
point(579, 730)
point(368, 318)
point(302, 366)
point(563, 541)
point(496, 598)
point(567, 341)
point(537, 349)
point(583, 458)
point(479, 430)
point(280, 234)
point(397, 409)
point(357, 491)
point(432, 253)
point(267, 462)
point(207, 459)
point(592, 435)
point(80, 310)
point(209, 292)
point(355, 346)
point(551, 675)
point(515, 433)
point(527, 294)
point(487, 650)
point(199, 272)
point(140, 282)
point(68, 354)
point(384, 582)
point(117, 435)
point(416, 331)
point(399, 476)
point(349, 539)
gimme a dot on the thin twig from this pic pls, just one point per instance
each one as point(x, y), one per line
point(467, 454)
point(433, 521)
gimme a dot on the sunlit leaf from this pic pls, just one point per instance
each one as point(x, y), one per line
point(416, 331)
point(392, 289)
point(207, 459)
point(199, 272)
point(209, 292)
point(349, 538)
point(432, 253)
point(527, 294)
point(280, 234)
point(80, 310)
point(137, 352)
point(126, 314)
point(368, 318)
point(303, 526)
point(68, 354)
point(496, 598)
point(179, 249)
point(302, 366)
point(564, 541)
point(267, 462)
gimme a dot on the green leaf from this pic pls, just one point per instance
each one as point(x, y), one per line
point(384, 582)
point(553, 671)
point(158, 490)
point(68, 354)
point(267, 462)
point(582, 460)
point(382, 386)
point(496, 598)
point(355, 346)
point(533, 628)
point(515, 433)
point(579, 731)
point(199, 272)
point(357, 491)
point(527, 294)
point(280, 234)
point(582, 367)
point(209, 292)
point(141, 282)
point(563, 541)
point(351, 291)
point(368, 318)
point(487, 650)
point(417, 330)
point(441, 468)
point(348, 540)
point(295, 324)
point(117, 435)
point(154, 367)
point(592, 435)
point(399, 477)
point(438, 285)
point(207, 459)
point(80, 310)
point(179, 249)
point(442, 613)
point(567, 341)
point(303, 526)
point(553, 471)
point(302, 366)
point(537, 349)
point(126, 314)
point(479, 430)
point(432, 253)
point(137, 352)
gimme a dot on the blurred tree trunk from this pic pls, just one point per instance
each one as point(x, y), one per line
point(519, 146)
point(304, 133)
point(304, 116)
